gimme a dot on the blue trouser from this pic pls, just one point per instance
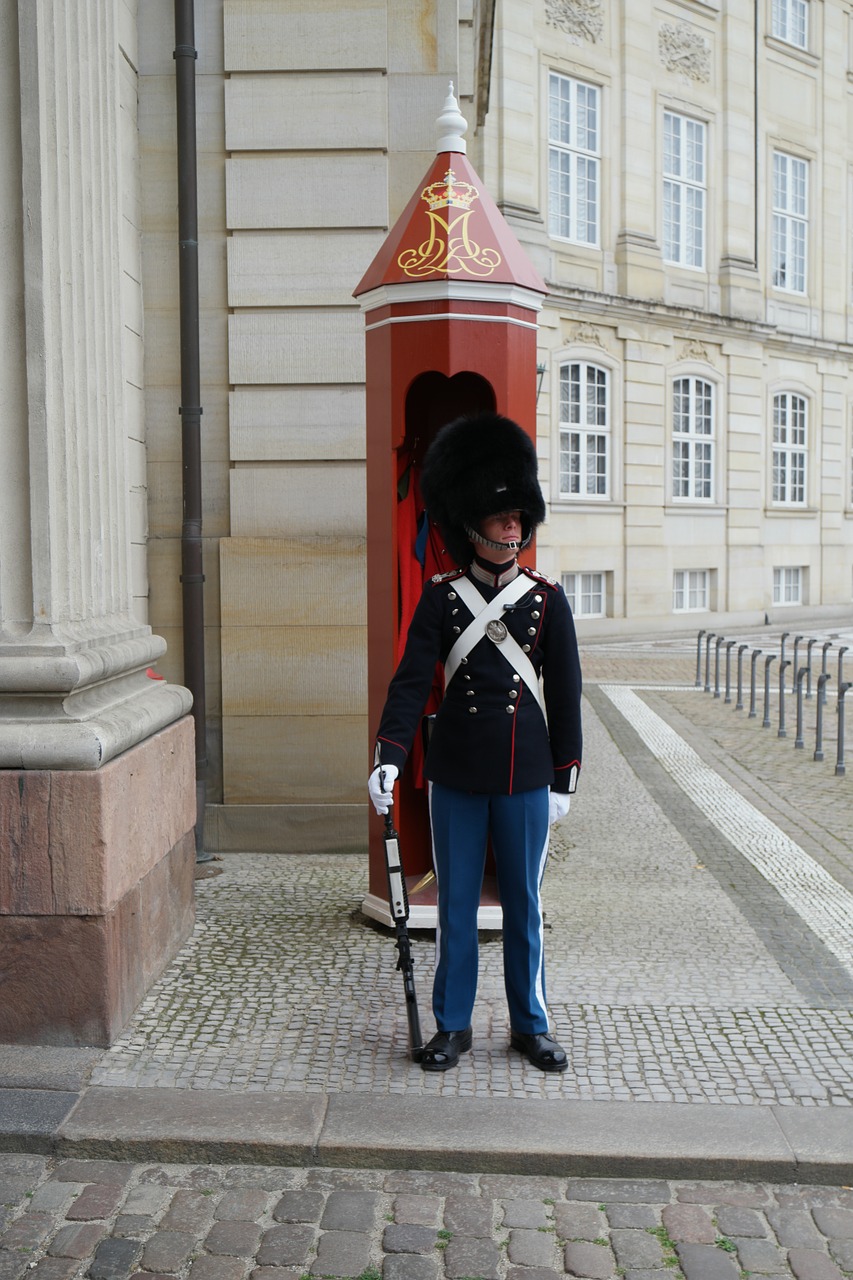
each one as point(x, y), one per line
point(518, 824)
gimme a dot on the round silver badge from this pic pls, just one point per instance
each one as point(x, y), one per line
point(496, 630)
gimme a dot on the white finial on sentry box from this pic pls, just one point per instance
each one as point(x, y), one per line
point(451, 125)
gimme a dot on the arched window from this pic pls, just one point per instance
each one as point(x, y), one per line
point(790, 448)
point(693, 439)
point(584, 431)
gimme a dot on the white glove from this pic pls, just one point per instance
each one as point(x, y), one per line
point(382, 799)
point(559, 803)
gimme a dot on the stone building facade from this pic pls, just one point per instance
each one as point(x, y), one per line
point(680, 175)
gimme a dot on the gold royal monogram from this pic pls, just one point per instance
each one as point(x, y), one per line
point(449, 248)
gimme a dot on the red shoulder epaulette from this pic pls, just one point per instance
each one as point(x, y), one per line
point(539, 577)
point(446, 577)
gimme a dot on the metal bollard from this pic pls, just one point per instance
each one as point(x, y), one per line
point(771, 657)
point(741, 649)
point(841, 653)
point(809, 648)
point(729, 644)
point(708, 638)
point(698, 680)
point(797, 640)
point(821, 699)
point(782, 639)
point(756, 653)
point(827, 644)
point(783, 732)
point(798, 741)
point(839, 753)
point(720, 640)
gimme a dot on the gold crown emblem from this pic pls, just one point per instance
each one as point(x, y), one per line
point(450, 193)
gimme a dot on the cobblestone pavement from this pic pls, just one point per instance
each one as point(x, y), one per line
point(681, 967)
point(61, 1219)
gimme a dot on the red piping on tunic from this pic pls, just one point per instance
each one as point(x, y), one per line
point(512, 748)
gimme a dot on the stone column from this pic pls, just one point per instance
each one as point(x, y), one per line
point(75, 692)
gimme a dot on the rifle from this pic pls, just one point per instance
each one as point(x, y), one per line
point(398, 900)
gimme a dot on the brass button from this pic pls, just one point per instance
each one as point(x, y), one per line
point(538, 599)
point(535, 613)
point(516, 677)
point(510, 710)
point(451, 595)
point(453, 612)
point(466, 676)
point(456, 631)
point(531, 631)
point(469, 693)
point(472, 710)
point(463, 661)
point(526, 648)
point(513, 693)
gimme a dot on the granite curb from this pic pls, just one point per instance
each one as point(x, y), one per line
point(505, 1136)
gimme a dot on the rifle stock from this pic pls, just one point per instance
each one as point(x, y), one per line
point(398, 900)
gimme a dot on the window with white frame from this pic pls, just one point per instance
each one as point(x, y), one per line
point(693, 439)
point(584, 430)
point(790, 22)
point(586, 594)
point(788, 585)
point(789, 448)
point(690, 590)
point(684, 190)
point(790, 222)
point(573, 159)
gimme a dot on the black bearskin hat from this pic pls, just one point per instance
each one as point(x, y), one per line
point(479, 466)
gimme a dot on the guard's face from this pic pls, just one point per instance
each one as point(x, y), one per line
point(503, 528)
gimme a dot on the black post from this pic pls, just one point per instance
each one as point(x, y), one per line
point(708, 638)
point(841, 652)
point(839, 754)
point(699, 660)
point(809, 648)
point(741, 649)
point(719, 641)
point(771, 657)
point(783, 732)
point(797, 640)
point(192, 575)
point(827, 645)
point(821, 699)
point(756, 653)
point(729, 644)
point(798, 741)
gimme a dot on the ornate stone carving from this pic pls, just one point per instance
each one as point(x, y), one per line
point(683, 49)
point(695, 350)
point(587, 335)
point(580, 19)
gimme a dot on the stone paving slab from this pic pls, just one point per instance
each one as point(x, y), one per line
point(32, 1114)
point(197, 1125)
point(357, 1223)
point(578, 1139)
point(46, 1067)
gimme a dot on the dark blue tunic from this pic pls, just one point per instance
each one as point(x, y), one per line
point(490, 734)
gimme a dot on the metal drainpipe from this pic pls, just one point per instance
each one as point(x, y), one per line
point(192, 576)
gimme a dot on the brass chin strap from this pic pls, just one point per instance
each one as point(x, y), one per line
point(497, 546)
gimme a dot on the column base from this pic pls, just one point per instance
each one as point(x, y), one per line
point(96, 893)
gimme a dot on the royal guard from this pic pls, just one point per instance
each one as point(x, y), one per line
point(504, 750)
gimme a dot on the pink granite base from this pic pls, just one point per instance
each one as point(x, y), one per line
point(96, 889)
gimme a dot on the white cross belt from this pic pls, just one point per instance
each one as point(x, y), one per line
point(484, 613)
